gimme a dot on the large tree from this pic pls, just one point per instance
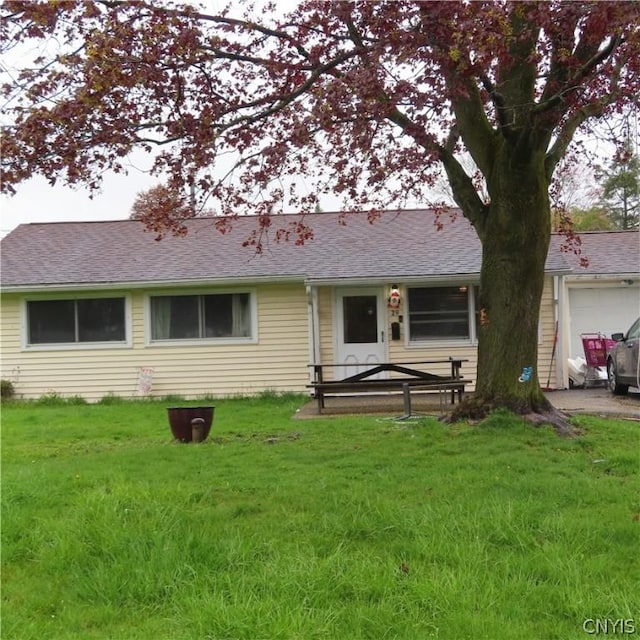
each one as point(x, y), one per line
point(368, 99)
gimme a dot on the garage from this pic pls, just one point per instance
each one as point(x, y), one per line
point(601, 309)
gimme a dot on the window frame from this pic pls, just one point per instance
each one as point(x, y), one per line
point(75, 345)
point(472, 293)
point(252, 338)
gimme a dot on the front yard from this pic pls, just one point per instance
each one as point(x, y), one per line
point(326, 528)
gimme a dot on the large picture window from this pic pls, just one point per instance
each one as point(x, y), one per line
point(439, 313)
point(194, 317)
point(76, 321)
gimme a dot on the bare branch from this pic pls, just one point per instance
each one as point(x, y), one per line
point(567, 132)
point(575, 82)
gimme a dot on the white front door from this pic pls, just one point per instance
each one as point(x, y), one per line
point(360, 330)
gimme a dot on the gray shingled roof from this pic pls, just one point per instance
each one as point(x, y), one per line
point(608, 253)
point(400, 245)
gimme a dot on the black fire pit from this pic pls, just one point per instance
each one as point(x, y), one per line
point(190, 424)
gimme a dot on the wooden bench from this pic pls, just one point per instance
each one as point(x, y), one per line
point(362, 383)
point(324, 389)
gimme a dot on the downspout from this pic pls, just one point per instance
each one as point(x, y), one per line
point(562, 323)
point(556, 317)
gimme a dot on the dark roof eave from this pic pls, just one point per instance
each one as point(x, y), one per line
point(150, 284)
point(473, 276)
point(575, 276)
point(249, 280)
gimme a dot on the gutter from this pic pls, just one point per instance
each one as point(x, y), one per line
point(620, 278)
point(470, 278)
point(152, 284)
point(294, 278)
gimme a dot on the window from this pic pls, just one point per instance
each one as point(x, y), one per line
point(439, 313)
point(194, 317)
point(76, 321)
point(360, 315)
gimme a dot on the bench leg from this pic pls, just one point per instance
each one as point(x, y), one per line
point(320, 399)
point(406, 394)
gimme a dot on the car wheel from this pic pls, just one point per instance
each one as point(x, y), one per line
point(614, 386)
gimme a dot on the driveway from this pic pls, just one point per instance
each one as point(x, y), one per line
point(596, 401)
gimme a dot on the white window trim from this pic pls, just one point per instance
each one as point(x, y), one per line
point(194, 342)
point(75, 346)
point(445, 342)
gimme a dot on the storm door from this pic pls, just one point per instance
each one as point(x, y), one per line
point(360, 330)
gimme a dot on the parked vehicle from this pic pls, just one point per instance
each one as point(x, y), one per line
point(623, 364)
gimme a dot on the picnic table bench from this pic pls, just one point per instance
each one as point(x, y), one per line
point(410, 378)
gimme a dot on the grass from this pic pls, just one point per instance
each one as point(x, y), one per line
point(345, 528)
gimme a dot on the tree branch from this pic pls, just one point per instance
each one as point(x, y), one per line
point(496, 98)
point(288, 98)
point(464, 192)
point(472, 124)
point(557, 151)
point(574, 83)
point(217, 19)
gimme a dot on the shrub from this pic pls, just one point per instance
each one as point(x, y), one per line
point(173, 399)
point(7, 390)
point(55, 399)
point(111, 398)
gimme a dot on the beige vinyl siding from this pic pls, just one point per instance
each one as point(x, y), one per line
point(547, 334)
point(326, 313)
point(10, 337)
point(277, 361)
point(397, 350)
point(400, 351)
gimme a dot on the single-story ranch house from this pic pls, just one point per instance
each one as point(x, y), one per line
point(99, 308)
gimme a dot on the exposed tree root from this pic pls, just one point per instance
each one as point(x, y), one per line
point(537, 413)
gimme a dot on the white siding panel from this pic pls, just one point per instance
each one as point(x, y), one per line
point(601, 309)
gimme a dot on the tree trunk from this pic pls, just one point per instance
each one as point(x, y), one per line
point(515, 235)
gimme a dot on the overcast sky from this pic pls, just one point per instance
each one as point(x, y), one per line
point(37, 201)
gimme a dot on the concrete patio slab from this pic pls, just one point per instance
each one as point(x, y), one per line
point(595, 401)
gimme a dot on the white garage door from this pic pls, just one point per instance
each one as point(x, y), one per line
point(601, 310)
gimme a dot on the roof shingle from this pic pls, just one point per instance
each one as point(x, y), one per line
point(607, 252)
point(403, 244)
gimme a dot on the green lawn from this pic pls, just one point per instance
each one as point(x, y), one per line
point(335, 528)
